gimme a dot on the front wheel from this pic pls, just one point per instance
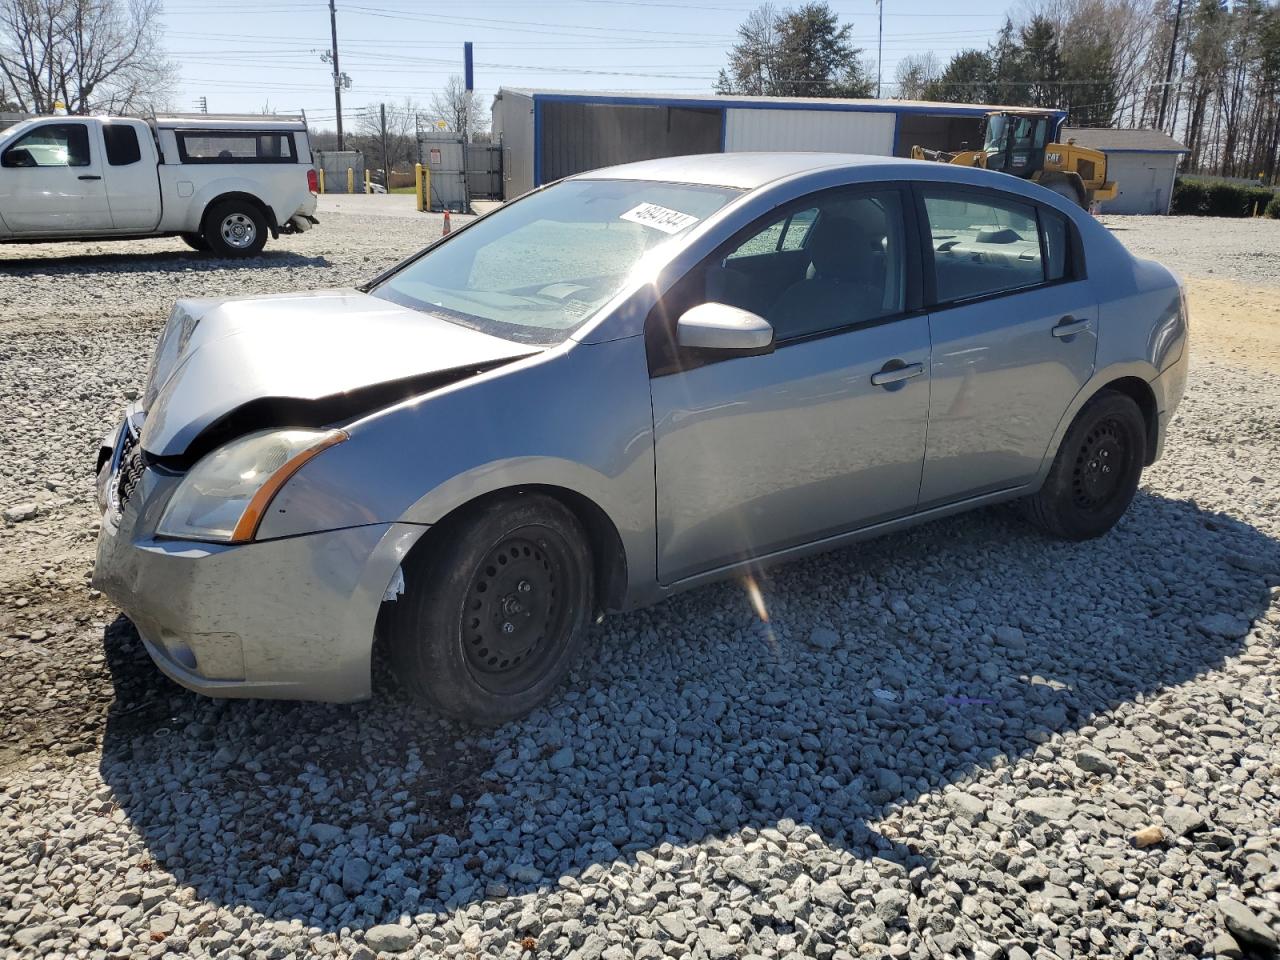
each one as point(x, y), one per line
point(1096, 472)
point(1066, 191)
point(495, 610)
point(235, 228)
point(196, 242)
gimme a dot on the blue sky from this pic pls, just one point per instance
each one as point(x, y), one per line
point(243, 55)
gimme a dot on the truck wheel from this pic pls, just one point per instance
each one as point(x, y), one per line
point(495, 610)
point(1066, 190)
point(235, 228)
point(1096, 472)
point(195, 242)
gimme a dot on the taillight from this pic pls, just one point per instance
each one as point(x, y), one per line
point(313, 180)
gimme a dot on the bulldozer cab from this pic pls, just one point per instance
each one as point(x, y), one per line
point(1014, 141)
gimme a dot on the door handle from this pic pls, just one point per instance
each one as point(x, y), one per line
point(89, 176)
point(889, 375)
point(1069, 327)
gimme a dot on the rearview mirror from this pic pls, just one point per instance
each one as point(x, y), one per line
point(18, 157)
point(718, 326)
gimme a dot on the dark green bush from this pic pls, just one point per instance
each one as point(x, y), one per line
point(1188, 197)
point(1273, 208)
point(1219, 198)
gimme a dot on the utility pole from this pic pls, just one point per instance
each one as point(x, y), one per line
point(203, 104)
point(386, 166)
point(337, 74)
point(1168, 72)
point(880, 49)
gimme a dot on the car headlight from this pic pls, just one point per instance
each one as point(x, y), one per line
point(226, 494)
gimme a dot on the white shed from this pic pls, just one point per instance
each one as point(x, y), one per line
point(1143, 164)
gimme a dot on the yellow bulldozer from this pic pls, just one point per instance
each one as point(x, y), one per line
point(1021, 143)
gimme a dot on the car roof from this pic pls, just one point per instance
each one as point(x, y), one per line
point(749, 171)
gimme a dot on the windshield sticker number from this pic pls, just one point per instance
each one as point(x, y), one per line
point(659, 218)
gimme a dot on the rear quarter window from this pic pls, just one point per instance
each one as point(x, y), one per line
point(221, 146)
point(122, 144)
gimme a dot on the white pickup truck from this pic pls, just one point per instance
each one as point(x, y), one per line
point(220, 183)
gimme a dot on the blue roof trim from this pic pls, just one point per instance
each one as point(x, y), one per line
point(888, 106)
point(1110, 150)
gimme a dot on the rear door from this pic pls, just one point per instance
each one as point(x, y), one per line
point(51, 180)
point(756, 454)
point(133, 189)
point(1013, 323)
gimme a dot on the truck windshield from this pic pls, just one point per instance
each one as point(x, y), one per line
point(1022, 137)
point(540, 268)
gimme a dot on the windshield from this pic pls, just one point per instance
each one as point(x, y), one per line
point(1028, 134)
point(537, 270)
point(997, 126)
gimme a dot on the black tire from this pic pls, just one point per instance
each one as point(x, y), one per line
point(234, 228)
point(1064, 189)
point(495, 610)
point(1096, 471)
point(195, 241)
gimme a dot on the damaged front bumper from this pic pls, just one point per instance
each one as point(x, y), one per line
point(291, 618)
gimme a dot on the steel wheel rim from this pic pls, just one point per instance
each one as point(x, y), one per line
point(1102, 464)
point(239, 231)
point(514, 610)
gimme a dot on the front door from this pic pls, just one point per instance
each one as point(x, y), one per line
point(1014, 330)
point(51, 181)
point(825, 434)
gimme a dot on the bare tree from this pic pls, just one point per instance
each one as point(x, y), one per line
point(458, 107)
point(92, 55)
point(401, 133)
point(753, 62)
point(914, 74)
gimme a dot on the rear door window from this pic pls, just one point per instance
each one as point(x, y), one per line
point(122, 144)
point(982, 244)
point(226, 146)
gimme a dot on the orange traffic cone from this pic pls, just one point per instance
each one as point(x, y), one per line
point(447, 225)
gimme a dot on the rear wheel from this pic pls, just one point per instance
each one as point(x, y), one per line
point(235, 228)
point(1096, 472)
point(195, 242)
point(495, 610)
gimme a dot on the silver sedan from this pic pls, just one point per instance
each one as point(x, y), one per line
point(621, 386)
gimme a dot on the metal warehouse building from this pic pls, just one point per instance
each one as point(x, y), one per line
point(1143, 163)
point(549, 134)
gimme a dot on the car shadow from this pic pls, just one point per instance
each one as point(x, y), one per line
point(12, 263)
point(758, 724)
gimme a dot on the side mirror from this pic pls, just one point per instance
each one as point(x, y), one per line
point(718, 326)
point(18, 157)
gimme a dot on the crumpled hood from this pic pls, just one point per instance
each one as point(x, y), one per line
point(271, 358)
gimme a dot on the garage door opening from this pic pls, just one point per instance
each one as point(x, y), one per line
point(937, 132)
point(584, 136)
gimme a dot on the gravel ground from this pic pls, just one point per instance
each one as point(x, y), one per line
point(962, 741)
point(1243, 250)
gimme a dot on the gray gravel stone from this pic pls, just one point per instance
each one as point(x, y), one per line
point(1040, 810)
point(1182, 820)
point(1246, 925)
point(824, 638)
point(1091, 761)
point(390, 937)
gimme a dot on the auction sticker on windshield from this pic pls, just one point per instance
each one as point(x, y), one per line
point(659, 218)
